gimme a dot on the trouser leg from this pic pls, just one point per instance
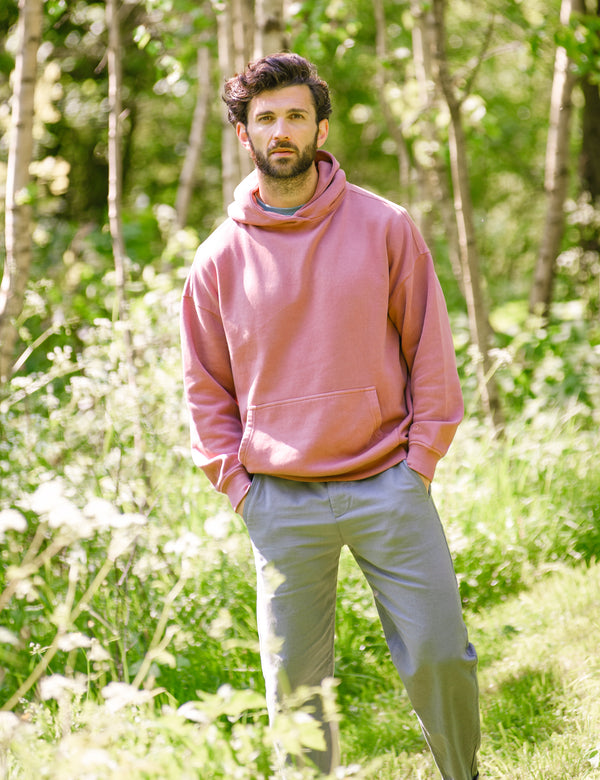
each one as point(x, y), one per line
point(390, 524)
point(296, 549)
point(395, 534)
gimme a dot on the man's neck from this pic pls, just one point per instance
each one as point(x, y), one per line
point(288, 193)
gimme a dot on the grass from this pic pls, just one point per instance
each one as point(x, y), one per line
point(540, 680)
point(540, 690)
point(540, 703)
point(523, 528)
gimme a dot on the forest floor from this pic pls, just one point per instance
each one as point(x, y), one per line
point(539, 674)
point(540, 702)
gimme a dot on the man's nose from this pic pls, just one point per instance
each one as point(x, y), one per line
point(281, 130)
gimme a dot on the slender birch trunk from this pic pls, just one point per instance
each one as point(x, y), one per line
point(269, 33)
point(230, 167)
point(242, 42)
point(196, 139)
point(115, 163)
point(115, 192)
point(557, 170)
point(381, 81)
point(18, 208)
point(431, 172)
point(478, 318)
point(235, 40)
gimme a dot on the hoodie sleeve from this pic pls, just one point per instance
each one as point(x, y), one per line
point(418, 310)
point(215, 424)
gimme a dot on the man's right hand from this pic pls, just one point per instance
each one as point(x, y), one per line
point(240, 507)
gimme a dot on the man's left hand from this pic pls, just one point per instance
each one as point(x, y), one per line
point(426, 482)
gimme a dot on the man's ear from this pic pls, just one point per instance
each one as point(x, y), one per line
point(242, 134)
point(323, 132)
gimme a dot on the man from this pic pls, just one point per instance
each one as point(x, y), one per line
point(321, 381)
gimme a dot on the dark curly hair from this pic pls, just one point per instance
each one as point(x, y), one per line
point(273, 72)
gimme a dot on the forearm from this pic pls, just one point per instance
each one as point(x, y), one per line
point(419, 312)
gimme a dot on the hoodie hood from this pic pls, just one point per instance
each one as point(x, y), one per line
point(331, 187)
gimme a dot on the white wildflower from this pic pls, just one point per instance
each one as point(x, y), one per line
point(127, 519)
point(119, 695)
point(97, 652)
point(55, 686)
point(76, 556)
point(12, 520)
point(192, 712)
point(343, 772)
point(64, 514)
point(9, 723)
point(220, 625)
point(101, 511)
point(120, 542)
point(47, 496)
point(7, 637)
point(187, 545)
point(73, 640)
point(98, 757)
point(226, 691)
point(218, 525)
point(105, 515)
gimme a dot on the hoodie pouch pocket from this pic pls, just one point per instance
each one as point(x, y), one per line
point(311, 436)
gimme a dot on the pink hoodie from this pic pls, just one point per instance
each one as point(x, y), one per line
point(316, 346)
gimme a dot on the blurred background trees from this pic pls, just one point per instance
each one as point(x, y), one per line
point(482, 121)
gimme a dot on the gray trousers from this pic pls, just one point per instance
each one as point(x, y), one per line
point(390, 524)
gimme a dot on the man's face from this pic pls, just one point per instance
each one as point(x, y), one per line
point(282, 134)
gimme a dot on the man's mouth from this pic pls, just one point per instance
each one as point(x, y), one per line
point(282, 151)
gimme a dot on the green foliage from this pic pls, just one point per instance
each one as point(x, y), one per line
point(219, 736)
point(581, 40)
point(531, 502)
point(547, 364)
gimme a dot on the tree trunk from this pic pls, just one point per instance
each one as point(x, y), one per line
point(590, 139)
point(269, 34)
point(233, 45)
point(431, 172)
point(557, 171)
point(230, 168)
point(242, 28)
point(476, 308)
point(589, 161)
point(114, 153)
point(18, 209)
point(243, 48)
point(381, 81)
point(196, 139)
point(115, 220)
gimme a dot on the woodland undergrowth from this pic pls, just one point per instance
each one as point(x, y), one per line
point(127, 632)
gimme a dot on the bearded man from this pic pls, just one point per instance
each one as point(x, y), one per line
point(321, 381)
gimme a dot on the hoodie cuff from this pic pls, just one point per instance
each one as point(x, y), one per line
point(422, 460)
point(237, 488)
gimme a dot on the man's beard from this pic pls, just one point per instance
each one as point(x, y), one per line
point(288, 168)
